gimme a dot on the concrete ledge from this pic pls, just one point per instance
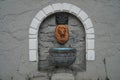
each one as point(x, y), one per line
point(40, 15)
point(75, 10)
point(88, 23)
point(48, 10)
point(33, 44)
point(90, 55)
point(82, 15)
point(32, 31)
point(66, 7)
point(57, 7)
point(35, 23)
point(32, 55)
point(62, 76)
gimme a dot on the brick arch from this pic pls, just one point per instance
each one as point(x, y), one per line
point(61, 7)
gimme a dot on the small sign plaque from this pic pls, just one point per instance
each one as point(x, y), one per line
point(61, 18)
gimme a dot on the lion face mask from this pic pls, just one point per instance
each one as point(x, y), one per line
point(62, 34)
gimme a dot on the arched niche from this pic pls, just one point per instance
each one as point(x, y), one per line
point(61, 7)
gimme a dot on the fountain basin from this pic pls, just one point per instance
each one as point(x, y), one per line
point(62, 57)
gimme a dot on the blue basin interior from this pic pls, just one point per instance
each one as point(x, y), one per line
point(62, 50)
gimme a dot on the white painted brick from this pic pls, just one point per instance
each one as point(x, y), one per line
point(35, 23)
point(90, 55)
point(82, 15)
point(32, 31)
point(48, 10)
point(32, 55)
point(57, 7)
point(90, 35)
point(90, 43)
point(66, 6)
point(88, 23)
point(90, 30)
point(33, 36)
point(75, 9)
point(40, 15)
point(33, 44)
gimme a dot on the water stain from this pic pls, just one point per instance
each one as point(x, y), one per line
point(106, 78)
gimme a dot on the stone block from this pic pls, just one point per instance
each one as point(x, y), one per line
point(90, 55)
point(33, 36)
point(45, 37)
point(88, 24)
point(57, 7)
point(66, 6)
point(48, 10)
point(40, 15)
point(90, 43)
point(32, 31)
point(47, 44)
point(35, 23)
point(90, 36)
point(43, 64)
point(44, 54)
point(74, 9)
point(82, 15)
point(90, 30)
point(48, 30)
point(39, 76)
point(32, 55)
point(33, 44)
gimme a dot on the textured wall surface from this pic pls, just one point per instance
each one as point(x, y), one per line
point(16, 16)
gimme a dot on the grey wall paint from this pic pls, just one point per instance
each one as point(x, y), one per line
point(16, 16)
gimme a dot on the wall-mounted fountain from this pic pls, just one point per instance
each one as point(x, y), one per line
point(62, 56)
point(61, 39)
point(64, 43)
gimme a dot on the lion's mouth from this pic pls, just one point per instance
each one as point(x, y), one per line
point(62, 36)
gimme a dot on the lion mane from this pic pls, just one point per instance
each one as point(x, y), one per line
point(62, 34)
